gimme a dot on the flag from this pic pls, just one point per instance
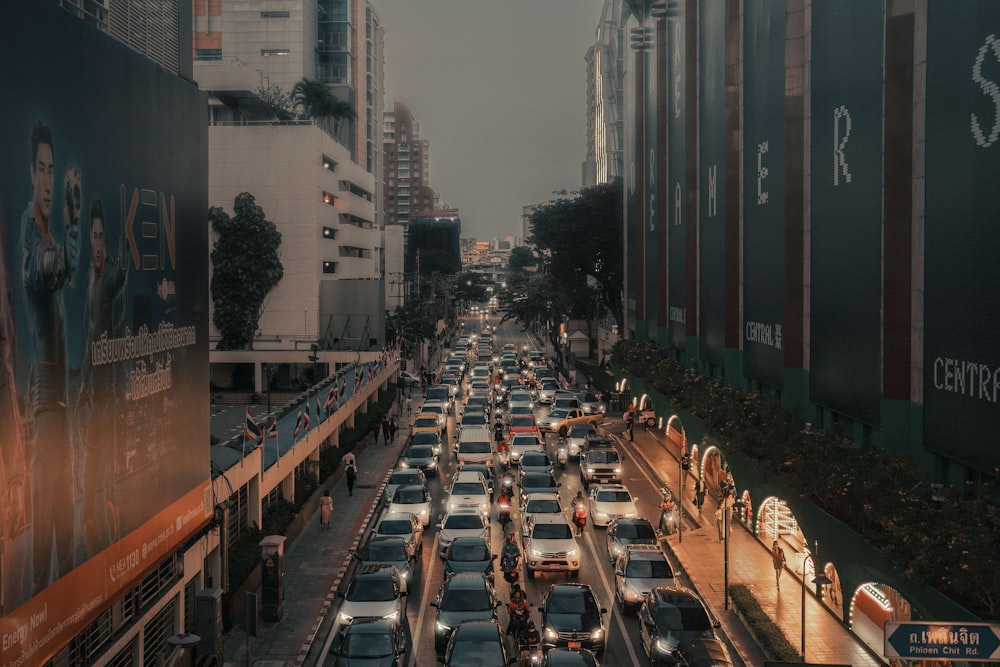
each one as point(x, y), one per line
point(272, 434)
point(298, 425)
point(251, 432)
point(343, 386)
point(357, 379)
point(331, 399)
point(305, 418)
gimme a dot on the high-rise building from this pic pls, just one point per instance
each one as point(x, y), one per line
point(407, 191)
point(605, 66)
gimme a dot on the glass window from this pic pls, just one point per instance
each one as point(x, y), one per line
point(274, 52)
point(208, 54)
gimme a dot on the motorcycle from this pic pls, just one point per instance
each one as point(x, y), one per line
point(503, 511)
point(669, 518)
point(518, 622)
point(511, 571)
point(504, 457)
point(580, 517)
point(562, 453)
point(507, 485)
point(531, 651)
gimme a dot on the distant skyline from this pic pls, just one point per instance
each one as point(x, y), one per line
point(500, 91)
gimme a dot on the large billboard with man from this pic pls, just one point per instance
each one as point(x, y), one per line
point(103, 323)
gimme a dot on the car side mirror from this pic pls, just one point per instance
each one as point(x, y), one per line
point(604, 610)
point(434, 603)
point(340, 594)
point(619, 573)
point(493, 557)
point(402, 594)
point(541, 610)
point(716, 624)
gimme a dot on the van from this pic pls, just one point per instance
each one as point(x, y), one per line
point(475, 445)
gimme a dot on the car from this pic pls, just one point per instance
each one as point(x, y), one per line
point(485, 470)
point(541, 503)
point(576, 416)
point(518, 411)
point(440, 393)
point(570, 657)
point(600, 466)
point(521, 397)
point(464, 596)
point(479, 388)
point(403, 477)
point(548, 423)
point(477, 403)
point(610, 501)
point(469, 554)
point(375, 591)
point(451, 380)
point(537, 482)
point(638, 570)
point(372, 641)
point(426, 421)
point(564, 398)
point(476, 644)
point(547, 389)
point(409, 379)
point(575, 438)
point(590, 403)
point(429, 438)
point(625, 532)
point(550, 546)
point(468, 489)
point(595, 440)
point(522, 424)
point(703, 652)
point(388, 550)
point(414, 499)
point(572, 618)
point(404, 525)
point(473, 418)
point(481, 373)
point(670, 615)
point(438, 408)
point(535, 359)
point(521, 443)
point(535, 462)
point(421, 457)
point(464, 522)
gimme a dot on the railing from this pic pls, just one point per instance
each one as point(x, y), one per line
point(264, 123)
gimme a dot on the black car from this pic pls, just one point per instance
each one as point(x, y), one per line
point(469, 554)
point(428, 438)
point(670, 616)
point(464, 596)
point(704, 653)
point(371, 643)
point(623, 532)
point(537, 482)
point(572, 618)
point(570, 657)
point(423, 458)
point(476, 644)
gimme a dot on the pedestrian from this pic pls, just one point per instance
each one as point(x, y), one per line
point(409, 407)
point(349, 460)
point(718, 521)
point(376, 428)
point(385, 431)
point(590, 380)
point(699, 493)
point(325, 510)
point(778, 558)
point(351, 473)
point(392, 429)
point(630, 427)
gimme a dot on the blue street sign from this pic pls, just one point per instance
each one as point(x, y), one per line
point(972, 642)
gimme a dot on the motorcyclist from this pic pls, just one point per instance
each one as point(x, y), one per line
point(579, 512)
point(503, 506)
point(498, 432)
point(518, 610)
point(667, 508)
point(510, 552)
point(532, 639)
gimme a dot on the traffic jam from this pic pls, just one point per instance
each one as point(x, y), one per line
point(519, 527)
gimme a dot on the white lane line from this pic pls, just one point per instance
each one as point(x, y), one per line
point(425, 578)
point(610, 596)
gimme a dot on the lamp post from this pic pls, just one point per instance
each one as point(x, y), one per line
point(268, 369)
point(313, 357)
point(727, 489)
point(683, 465)
point(819, 580)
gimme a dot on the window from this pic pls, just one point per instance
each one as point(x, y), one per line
point(329, 267)
point(330, 199)
point(329, 163)
point(329, 233)
point(274, 52)
point(274, 15)
point(208, 54)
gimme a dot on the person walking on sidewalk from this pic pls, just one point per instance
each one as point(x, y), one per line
point(718, 521)
point(699, 493)
point(409, 408)
point(376, 428)
point(778, 558)
point(325, 510)
point(392, 429)
point(630, 426)
point(385, 431)
point(351, 473)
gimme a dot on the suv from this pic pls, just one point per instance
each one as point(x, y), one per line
point(600, 466)
point(670, 616)
point(609, 502)
point(549, 546)
point(388, 550)
point(640, 569)
point(572, 618)
point(376, 591)
point(464, 596)
point(441, 393)
point(468, 489)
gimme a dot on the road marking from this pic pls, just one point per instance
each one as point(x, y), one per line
point(425, 578)
point(611, 595)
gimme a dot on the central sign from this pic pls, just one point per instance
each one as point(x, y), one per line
point(973, 642)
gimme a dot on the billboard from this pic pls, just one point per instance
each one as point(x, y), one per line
point(962, 239)
point(676, 178)
point(846, 184)
point(104, 360)
point(764, 193)
point(712, 181)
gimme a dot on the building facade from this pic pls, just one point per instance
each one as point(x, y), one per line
point(605, 63)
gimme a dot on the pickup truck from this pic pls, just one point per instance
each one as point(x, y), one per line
point(577, 416)
point(600, 466)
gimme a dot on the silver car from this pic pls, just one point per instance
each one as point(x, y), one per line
point(638, 570)
point(376, 591)
point(590, 403)
point(405, 525)
point(575, 438)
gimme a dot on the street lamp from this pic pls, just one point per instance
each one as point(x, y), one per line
point(683, 465)
point(268, 369)
point(819, 580)
point(313, 357)
point(727, 489)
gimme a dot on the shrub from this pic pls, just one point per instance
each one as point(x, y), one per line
point(772, 639)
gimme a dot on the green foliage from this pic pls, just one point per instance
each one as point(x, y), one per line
point(471, 287)
point(245, 267)
point(278, 103)
point(772, 638)
point(951, 545)
point(521, 257)
point(314, 99)
point(244, 556)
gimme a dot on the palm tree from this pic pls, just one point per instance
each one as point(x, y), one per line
point(313, 99)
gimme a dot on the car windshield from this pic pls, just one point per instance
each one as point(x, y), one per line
point(367, 590)
point(580, 430)
point(589, 398)
point(409, 496)
point(474, 447)
point(466, 600)
point(603, 456)
point(524, 441)
point(544, 506)
point(473, 419)
point(477, 652)
point(367, 645)
point(395, 527)
point(386, 551)
point(535, 459)
point(404, 477)
point(420, 452)
point(438, 393)
point(522, 422)
point(636, 531)
point(425, 438)
point(425, 422)
point(463, 522)
point(648, 569)
point(538, 481)
point(469, 551)
point(468, 489)
point(670, 618)
point(613, 497)
point(552, 531)
point(571, 602)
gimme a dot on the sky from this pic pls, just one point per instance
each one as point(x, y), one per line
point(499, 89)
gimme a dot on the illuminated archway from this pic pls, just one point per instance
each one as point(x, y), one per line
point(675, 432)
point(714, 469)
point(775, 520)
point(872, 605)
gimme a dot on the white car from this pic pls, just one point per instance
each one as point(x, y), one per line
point(462, 522)
point(402, 525)
point(411, 379)
point(610, 501)
point(539, 503)
point(550, 546)
point(439, 409)
point(403, 477)
point(521, 443)
point(413, 499)
point(638, 570)
point(376, 591)
point(469, 490)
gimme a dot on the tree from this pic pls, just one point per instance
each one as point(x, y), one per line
point(521, 257)
point(277, 102)
point(582, 236)
point(313, 99)
point(245, 266)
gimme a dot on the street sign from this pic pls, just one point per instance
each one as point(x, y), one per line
point(972, 642)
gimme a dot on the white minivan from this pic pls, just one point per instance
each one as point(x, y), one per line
point(475, 445)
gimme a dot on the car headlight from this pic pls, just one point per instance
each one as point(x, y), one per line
point(618, 471)
point(451, 506)
point(423, 512)
point(597, 634)
point(617, 549)
point(484, 506)
point(664, 646)
point(345, 618)
point(441, 627)
point(536, 553)
point(393, 616)
point(403, 464)
point(551, 634)
point(590, 471)
point(432, 464)
point(571, 553)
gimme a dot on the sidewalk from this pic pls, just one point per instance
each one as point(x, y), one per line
point(701, 555)
point(317, 558)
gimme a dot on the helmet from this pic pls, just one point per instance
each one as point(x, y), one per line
point(531, 624)
point(579, 494)
point(510, 537)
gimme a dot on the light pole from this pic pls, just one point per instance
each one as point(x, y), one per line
point(819, 580)
point(268, 369)
point(683, 465)
point(727, 489)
